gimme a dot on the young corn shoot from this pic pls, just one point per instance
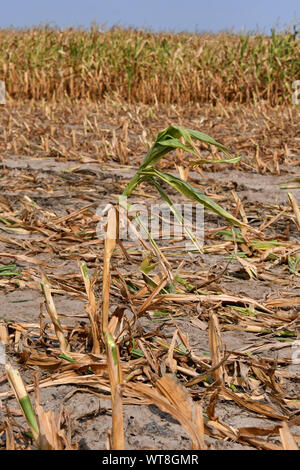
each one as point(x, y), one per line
point(166, 141)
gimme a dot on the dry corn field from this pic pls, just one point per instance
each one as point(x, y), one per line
point(149, 68)
point(143, 343)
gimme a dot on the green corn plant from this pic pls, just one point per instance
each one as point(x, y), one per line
point(166, 141)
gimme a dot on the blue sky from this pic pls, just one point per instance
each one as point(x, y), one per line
point(176, 15)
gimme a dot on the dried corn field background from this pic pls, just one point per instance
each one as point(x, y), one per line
point(149, 68)
point(206, 359)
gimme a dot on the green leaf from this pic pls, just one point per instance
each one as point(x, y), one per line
point(178, 216)
point(10, 270)
point(67, 358)
point(166, 141)
point(146, 267)
point(190, 287)
point(192, 193)
point(29, 413)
